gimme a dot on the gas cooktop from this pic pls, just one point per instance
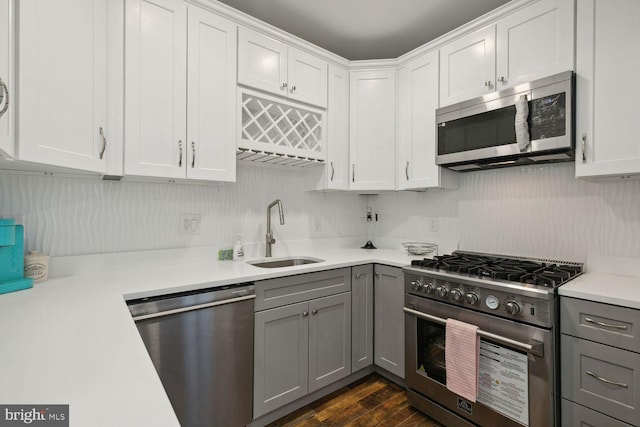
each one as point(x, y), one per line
point(538, 272)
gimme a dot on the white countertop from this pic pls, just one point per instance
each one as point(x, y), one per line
point(605, 288)
point(71, 340)
point(610, 280)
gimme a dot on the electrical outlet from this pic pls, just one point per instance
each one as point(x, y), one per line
point(189, 224)
point(434, 224)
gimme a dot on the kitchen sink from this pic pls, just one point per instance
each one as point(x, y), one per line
point(283, 262)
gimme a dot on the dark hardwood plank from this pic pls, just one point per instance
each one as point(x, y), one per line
point(370, 401)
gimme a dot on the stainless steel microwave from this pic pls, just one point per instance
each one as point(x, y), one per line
point(526, 124)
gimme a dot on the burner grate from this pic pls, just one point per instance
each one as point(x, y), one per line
point(541, 273)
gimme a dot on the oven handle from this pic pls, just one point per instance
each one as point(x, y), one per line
point(534, 347)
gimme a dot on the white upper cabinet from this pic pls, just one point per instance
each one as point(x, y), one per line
point(531, 43)
point(607, 90)
point(416, 130)
point(269, 65)
point(335, 174)
point(468, 66)
point(63, 50)
point(535, 42)
point(156, 81)
point(211, 106)
point(372, 130)
point(180, 120)
point(6, 80)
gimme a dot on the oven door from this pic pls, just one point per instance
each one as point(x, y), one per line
point(499, 403)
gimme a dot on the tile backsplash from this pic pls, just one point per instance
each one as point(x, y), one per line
point(540, 211)
point(80, 215)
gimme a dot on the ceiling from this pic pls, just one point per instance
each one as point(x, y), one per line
point(366, 29)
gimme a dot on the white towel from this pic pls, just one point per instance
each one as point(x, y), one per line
point(462, 345)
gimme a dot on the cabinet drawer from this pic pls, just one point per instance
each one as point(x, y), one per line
point(617, 390)
point(292, 289)
point(603, 323)
point(574, 415)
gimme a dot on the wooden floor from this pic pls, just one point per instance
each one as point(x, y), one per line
point(371, 401)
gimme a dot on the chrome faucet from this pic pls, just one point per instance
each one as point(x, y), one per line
point(270, 239)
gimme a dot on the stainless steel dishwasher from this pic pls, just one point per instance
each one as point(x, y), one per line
point(201, 344)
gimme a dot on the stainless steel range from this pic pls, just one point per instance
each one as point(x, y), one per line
point(513, 301)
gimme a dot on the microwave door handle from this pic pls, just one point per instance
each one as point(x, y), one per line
point(522, 123)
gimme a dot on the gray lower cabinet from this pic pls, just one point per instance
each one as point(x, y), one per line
point(574, 415)
point(600, 363)
point(300, 347)
point(389, 319)
point(361, 316)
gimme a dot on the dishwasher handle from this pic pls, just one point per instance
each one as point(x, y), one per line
point(191, 308)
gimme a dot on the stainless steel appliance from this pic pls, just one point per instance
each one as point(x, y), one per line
point(513, 301)
point(528, 123)
point(201, 344)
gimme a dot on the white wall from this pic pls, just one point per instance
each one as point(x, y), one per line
point(539, 211)
point(81, 215)
point(531, 211)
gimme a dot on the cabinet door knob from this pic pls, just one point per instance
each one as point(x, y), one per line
point(377, 274)
point(501, 79)
point(284, 86)
point(314, 312)
point(5, 89)
point(104, 142)
point(305, 313)
point(293, 88)
point(488, 84)
point(193, 157)
point(358, 276)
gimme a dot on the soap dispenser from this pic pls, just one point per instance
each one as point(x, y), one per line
point(238, 250)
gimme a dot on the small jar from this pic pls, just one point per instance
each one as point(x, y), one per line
point(36, 266)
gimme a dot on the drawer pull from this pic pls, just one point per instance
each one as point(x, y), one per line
point(606, 325)
point(604, 380)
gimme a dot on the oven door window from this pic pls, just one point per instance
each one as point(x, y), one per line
point(430, 340)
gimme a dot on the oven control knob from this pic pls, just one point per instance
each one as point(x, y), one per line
point(416, 285)
point(513, 307)
point(442, 291)
point(428, 288)
point(457, 294)
point(472, 298)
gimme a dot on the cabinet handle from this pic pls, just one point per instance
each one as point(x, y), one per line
point(606, 325)
point(333, 171)
point(353, 172)
point(180, 157)
point(293, 88)
point(604, 380)
point(193, 158)
point(488, 84)
point(377, 274)
point(104, 143)
point(358, 276)
point(305, 313)
point(406, 171)
point(584, 148)
point(284, 86)
point(501, 79)
point(5, 89)
point(314, 312)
